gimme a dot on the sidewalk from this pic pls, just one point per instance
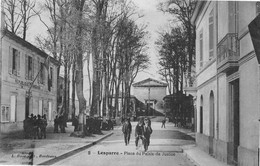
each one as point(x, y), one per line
point(195, 154)
point(15, 150)
point(201, 158)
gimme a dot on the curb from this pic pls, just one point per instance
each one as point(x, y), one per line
point(75, 151)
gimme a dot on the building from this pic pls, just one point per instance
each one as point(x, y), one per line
point(28, 82)
point(227, 75)
point(150, 92)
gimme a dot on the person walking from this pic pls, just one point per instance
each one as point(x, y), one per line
point(139, 132)
point(75, 123)
point(163, 122)
point(147, 133)
point(56, 124)
point(43, 127)
point(127, 129)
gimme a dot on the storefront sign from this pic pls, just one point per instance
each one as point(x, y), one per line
point(24, 83)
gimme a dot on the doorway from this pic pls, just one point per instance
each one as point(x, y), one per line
point(234, 103)
point(27, 105)
point(201, 114)
point(211, 122)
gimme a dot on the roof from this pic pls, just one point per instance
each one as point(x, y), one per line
point(28, 45)
point(149, 82)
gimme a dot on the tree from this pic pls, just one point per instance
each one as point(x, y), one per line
point(173, 58)
point(18, 14)
point(182, 11)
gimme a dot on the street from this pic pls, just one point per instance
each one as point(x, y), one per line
point(164, 149)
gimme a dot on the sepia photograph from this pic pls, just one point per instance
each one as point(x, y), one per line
point(130, 82)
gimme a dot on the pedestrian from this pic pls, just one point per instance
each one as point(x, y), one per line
point(163, 122)
point(75, 123)
point(64, 123)
point(147, 133)
point(39, 126)
point(31, 126)
point(127, 129)
point(35, 132)
point(43, 126)
point(110, 124)
point(56, 124)
point(88, 124)
point(139, 132)
point(26, 127)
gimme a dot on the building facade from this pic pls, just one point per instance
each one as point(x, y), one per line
point(227, 74)
point(28, 82)
point(150, 92)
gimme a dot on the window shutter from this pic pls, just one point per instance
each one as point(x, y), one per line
point(10, 60)
point(32, 68)
point(35, 67)
point(39, 68)
point(26, 67)
point(18, 63)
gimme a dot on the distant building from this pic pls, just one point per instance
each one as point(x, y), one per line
point(21, 64)
point(150, 92)
point(227, 71)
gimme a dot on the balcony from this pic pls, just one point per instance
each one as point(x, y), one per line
point(228, 53)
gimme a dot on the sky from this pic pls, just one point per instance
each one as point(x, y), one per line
point(156, 21)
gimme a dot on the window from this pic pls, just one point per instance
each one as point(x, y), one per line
point(50, 78)
point(5, 114)
point(257, 8)
point(42, 73)
point(40, 107)
point(28, 67)
point(13, 108)
point(49, 109)
point(211, 35)
point(14, 61)
point(201, 47)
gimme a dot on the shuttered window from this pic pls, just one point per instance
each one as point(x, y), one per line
point(201, 47)
point(29, 67)
point(14, 61)
point(211, 35)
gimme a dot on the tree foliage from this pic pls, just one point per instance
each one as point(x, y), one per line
point(182, 13)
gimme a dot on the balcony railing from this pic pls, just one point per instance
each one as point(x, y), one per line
point(228, 52)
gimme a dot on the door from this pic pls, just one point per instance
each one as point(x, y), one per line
point(27, 101)
point(234, 101)
point(212, 122)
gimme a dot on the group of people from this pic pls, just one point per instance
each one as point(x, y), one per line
point(94, 125)
point(60, 122)
point(143, 131)
point(35, 126)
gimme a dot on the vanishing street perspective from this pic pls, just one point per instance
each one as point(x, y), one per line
point(130, 82)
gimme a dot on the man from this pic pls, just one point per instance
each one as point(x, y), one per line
point(147, 133)
point(163, 122)
point(43, 126)
point(26, 127)
point(139, 132)
point(127, 129)
point(75, 123)
point(56, 124)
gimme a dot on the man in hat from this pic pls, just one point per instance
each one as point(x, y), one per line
point(147, 133)
point(127, 129)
